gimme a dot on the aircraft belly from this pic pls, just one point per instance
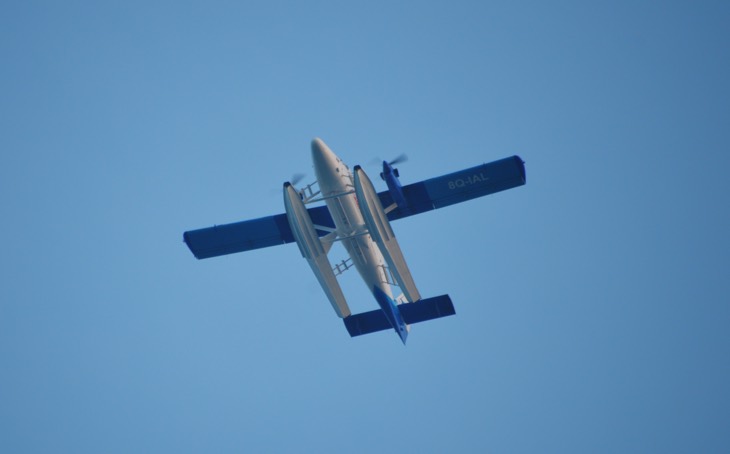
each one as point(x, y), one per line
point(369, 263)
point(362, 250)
point(348, 219)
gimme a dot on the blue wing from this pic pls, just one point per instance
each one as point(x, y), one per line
point(248, 235)
point(458, 187)
point(423, 196)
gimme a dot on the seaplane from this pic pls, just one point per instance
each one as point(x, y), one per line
point(360, 218)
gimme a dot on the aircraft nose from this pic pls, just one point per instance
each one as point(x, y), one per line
point(321, 154)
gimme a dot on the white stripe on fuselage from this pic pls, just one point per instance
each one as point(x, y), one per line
point(334, 177)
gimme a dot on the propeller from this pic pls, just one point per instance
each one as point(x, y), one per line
point(399, 159)
point(296, 178)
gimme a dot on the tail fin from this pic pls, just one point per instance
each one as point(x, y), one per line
point(420, 311)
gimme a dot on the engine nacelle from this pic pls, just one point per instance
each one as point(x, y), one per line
point(390, 174)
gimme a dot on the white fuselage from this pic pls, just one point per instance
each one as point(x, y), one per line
point(334, 178)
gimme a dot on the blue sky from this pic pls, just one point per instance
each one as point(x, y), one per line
point(592, 303)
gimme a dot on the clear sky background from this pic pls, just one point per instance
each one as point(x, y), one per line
point(592, 303)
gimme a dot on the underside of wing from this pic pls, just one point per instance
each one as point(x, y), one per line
point(422, 196)
point(457, 187)
point(248, 235)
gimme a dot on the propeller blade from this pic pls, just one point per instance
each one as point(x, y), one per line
point(296, 178)
point(399, 159)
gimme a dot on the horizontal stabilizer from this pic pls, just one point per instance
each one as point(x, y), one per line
point(428, 309)
point(420, 311)
point(366, 323)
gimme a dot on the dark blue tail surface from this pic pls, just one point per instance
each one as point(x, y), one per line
point(420, 311)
